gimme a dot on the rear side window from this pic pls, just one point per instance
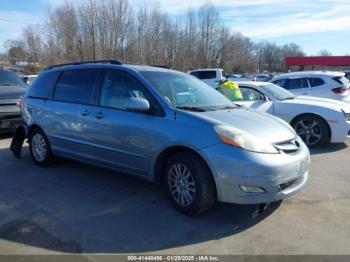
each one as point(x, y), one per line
point(316, 82)
point(206, 74)
point(297, 83)
point(280, 82)
point(43, 85)
point(76, 86)
point(342, 80)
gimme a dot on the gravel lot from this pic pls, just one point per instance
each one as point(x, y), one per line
point(75, 208)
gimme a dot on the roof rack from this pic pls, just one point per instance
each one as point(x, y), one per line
point(162, 66)
point(113, 62)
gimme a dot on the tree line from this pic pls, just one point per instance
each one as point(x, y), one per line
point(113, 29)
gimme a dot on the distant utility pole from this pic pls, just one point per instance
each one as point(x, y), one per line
point(140, 44)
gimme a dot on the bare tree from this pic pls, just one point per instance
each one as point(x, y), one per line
point(108, 29)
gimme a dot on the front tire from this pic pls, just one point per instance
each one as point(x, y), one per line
point(189, 183)
point(313, 130)
point(39, 148)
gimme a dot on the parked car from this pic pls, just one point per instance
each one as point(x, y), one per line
point(211, 77)
point(325, 84)
point(11, 88)
point(316, 120)
point(28, 79)
point(162, 125)
point(237, 78)
point(262, 78)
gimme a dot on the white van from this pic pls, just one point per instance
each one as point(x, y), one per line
point(211, 77)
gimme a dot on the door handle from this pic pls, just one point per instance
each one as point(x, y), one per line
point(99, 115)
point(85, 112)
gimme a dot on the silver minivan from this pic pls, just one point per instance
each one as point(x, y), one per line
point(162, 125)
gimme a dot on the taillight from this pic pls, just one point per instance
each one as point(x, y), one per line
point(20, 102)
point(339, 90)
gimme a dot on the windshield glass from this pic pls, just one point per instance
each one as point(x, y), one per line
point(277, 92)
point(185, 91)
point(10, 79)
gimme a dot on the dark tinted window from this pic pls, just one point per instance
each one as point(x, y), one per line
point(342, 80)
point(118, 87)
point(280, 82)
point(76, 86)
point(42, 86)
point(315, 82)
point(298, 83)
point(206, 74)
point(8, 78)
point(195, 73)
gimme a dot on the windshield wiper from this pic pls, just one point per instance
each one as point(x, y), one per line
point(192, 108)
point(229, 107)
point(289, 98)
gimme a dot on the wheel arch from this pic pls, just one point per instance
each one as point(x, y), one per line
point(168, 152)
point(32, 127)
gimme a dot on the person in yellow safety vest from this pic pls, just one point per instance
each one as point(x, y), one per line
point(230, 89)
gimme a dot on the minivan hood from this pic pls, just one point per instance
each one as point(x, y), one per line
point(261, 125)
point(11, 92)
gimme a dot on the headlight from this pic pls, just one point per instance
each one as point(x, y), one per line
point(347, 116)
point(236, 137)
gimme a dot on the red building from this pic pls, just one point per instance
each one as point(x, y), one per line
point(317, 61)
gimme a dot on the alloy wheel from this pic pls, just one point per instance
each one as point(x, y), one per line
point(181, 184)
point(39, 148)
point(309, 130)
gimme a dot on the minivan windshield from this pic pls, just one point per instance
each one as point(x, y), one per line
point(186, 92)
point(8, 78)
point(277, 92)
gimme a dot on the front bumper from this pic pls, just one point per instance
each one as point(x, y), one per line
point(9, 121)
point(340, 131)
point(280, 175)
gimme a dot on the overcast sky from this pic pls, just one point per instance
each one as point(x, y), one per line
point(313, 24)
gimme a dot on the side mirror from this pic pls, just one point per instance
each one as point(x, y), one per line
point(136, 104)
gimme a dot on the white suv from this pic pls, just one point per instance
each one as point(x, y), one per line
point(325, 84)
point(211, 77)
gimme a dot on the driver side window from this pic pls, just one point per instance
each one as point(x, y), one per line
point(250, 94)
point(118, 87)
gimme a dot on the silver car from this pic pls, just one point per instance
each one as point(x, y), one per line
point(162, 125)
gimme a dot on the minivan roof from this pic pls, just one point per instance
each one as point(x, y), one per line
point(94, 65)
point(106, 63)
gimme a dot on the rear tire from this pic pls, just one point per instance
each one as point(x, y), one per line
point(39, 148)
point(189, 183)
point(313, 130)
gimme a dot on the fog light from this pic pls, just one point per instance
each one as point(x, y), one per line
point(252, 189)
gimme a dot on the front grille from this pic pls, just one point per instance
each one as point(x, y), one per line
point(288, 147)
point(10, 116)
